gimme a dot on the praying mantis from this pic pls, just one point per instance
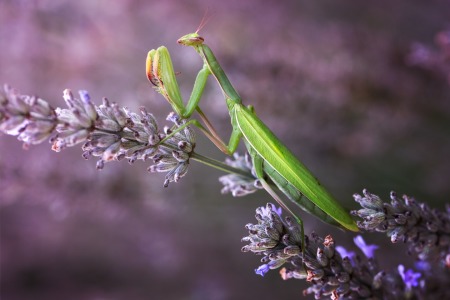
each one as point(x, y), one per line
point(274, 163)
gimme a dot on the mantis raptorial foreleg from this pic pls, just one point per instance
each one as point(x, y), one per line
point(160, 73)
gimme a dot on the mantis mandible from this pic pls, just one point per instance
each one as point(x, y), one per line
point(272, 160)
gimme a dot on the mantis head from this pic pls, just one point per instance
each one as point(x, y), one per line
point(191, 39)
point(194, 39)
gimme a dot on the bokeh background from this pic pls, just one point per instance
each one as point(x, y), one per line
point(358, 89)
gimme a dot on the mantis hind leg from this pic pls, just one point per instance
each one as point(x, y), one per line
point(212, 134)
point(258, 165)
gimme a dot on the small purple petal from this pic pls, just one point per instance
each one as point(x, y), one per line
point(262, 269)
point(344, 253)
point(409, 277)
point(84, 95)
point(422, 265)
point(277, 210)
point(368, 250)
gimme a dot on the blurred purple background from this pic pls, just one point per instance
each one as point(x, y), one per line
point(330, 78)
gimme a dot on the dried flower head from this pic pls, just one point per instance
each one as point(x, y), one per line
point(74, 122)
point(237, 184)
point(332, 271)
point(120, 133)
point(278, 241)
point(30, 118)
point(174, 154)
point(425, 230)
point(106, 131)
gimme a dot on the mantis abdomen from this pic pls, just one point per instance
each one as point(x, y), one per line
point(297, 197)
point(286, 171)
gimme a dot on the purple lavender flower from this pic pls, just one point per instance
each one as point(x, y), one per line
point(410, 278)
point(278, 210)
point(344, 253)
point(262, 269)
point(368, 250)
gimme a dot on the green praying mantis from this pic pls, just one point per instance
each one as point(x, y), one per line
point(274, 163)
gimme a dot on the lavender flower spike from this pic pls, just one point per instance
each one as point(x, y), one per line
point(30, 118)
point(333, 273)
point(331, 276)
point(106, 131)
point(425, 230)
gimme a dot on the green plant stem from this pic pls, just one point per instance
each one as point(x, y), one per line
point(219, 165)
